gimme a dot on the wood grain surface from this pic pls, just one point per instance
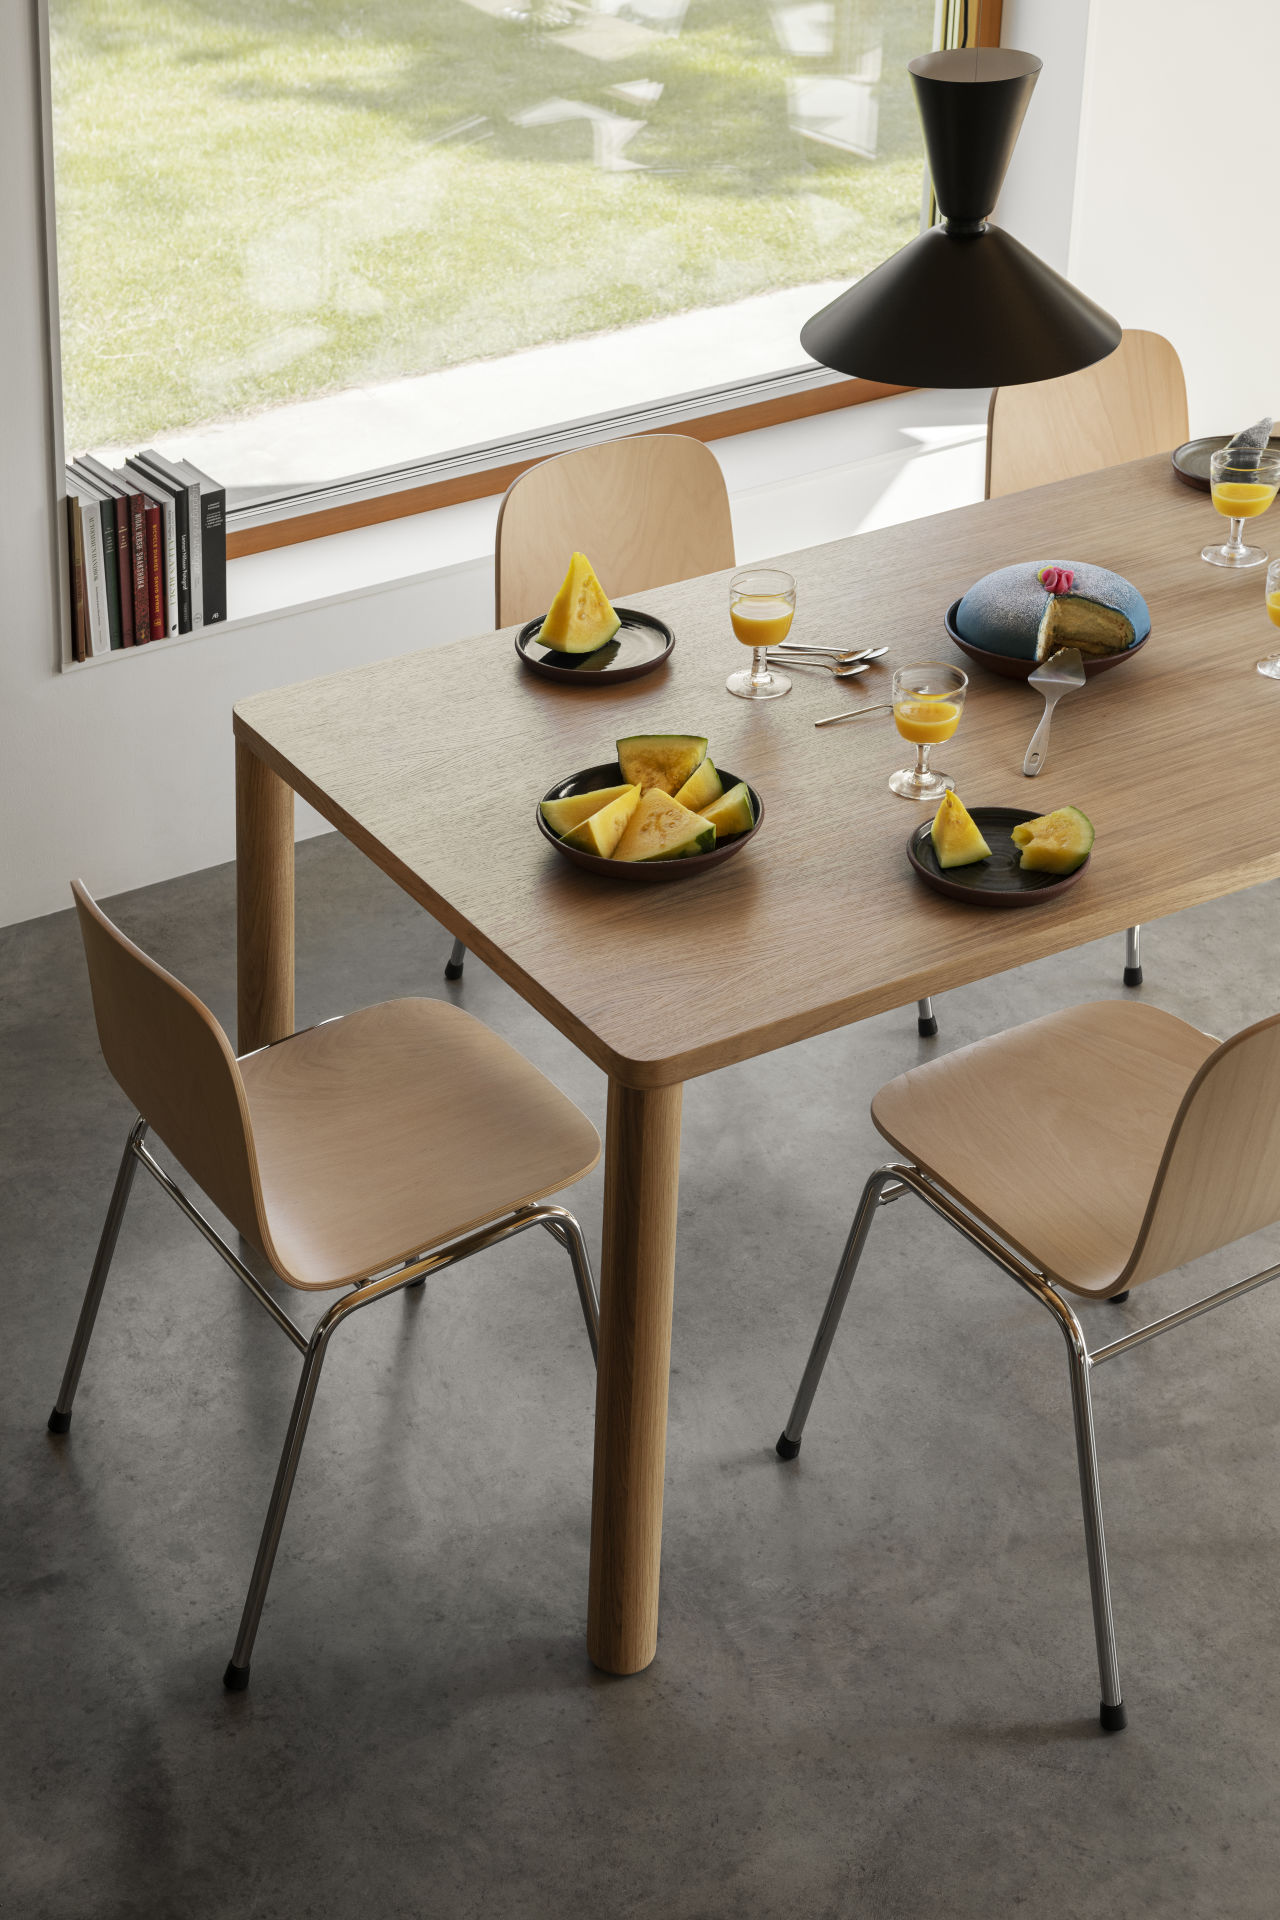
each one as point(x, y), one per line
point(432, 764)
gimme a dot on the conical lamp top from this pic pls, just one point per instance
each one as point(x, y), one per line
point(965, 304)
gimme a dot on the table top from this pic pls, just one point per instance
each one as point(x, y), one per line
point(433, 762)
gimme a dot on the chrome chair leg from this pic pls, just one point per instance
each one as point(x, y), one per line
point(788, 1444)
point(558, 1221)
point(565, 1229)
point(1111, 1712)
point(453, 965)
point(926, 1024)
point(1133, 957)
point(60, 1418)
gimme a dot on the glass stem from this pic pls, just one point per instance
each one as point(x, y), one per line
point(922, 761)
point(1236, 542)
point(759, 667)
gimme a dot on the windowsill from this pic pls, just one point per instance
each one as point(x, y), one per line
point(790, 487)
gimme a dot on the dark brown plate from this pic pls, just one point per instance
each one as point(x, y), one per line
point(997, 882)
point(1191, 461)
point(1010, 669)
point(610, 775)
point(641, 643)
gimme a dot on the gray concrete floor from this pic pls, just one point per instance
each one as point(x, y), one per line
point(875, 1691)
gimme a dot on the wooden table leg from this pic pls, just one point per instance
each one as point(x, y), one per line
point(637, 1284)
point(264, 902)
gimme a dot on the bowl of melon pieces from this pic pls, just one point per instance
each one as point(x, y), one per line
point(661, 811)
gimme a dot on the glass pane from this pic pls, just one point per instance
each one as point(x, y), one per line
point(295, 236)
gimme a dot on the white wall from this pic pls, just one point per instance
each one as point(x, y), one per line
point(1164, 235)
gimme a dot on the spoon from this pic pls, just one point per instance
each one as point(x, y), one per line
point(792, 647)
point(1061, 673)
point(833, 667)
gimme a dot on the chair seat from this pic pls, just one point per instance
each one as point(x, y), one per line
point(1053, 1132)
point(389, 1131)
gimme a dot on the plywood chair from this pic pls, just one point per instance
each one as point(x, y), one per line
point(646, 511)
point(361, 1154)
point(1126, 407)
point(1174, 1152)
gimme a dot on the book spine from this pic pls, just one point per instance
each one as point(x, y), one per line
point(195, 547)
point(111, 572)
point(99, 626)
point(75, 568)
point(124, 567)
point(157, 572)
point(213, 544)
point(172, 603)
point(141, 572)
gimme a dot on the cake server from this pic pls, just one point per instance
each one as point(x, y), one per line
point(1061, 673)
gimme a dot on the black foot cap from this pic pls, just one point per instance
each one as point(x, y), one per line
point(1118, 1299)
point(236, 1679)
point(452, 972)
point(59, 1422)
point(1113, 1719)
point(1133, 976)
point(787, 1449)
point(928, 1028)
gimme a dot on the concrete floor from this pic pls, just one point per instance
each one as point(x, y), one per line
point(875, 1691)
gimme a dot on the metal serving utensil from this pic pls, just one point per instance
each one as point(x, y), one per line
point(854, 713)
point(1061, 673)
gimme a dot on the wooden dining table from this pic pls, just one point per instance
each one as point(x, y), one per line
point(432, 763)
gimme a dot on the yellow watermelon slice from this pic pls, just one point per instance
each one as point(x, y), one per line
point(561, 815)
point(702, 787)
point(956, 839)
point(602, 831)
point(662, 760)
point(580, 618)
point(1057, 842)
point(732, 812)
point(661, 829)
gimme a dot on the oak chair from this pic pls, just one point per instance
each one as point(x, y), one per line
point(1131, 404)
point(646, 511)
point(1126, 407)
point(360, 1154)
point(1175, 1152)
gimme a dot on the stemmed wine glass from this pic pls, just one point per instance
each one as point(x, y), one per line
point(1271, 665)
point(927, 702)
point(1243, 485)
point(762, 605)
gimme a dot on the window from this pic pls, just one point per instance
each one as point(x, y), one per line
point(322, 244)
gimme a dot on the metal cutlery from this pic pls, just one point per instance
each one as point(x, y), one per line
point(854, 713)
point(844, 656)
point(832, 667)
point(1062, 672)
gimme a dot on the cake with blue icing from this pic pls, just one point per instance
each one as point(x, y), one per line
point(1027, 612)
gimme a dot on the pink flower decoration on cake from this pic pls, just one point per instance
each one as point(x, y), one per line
point(1056, 579)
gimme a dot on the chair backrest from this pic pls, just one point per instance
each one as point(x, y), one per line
point(1219, 1178)
point(645, 511)
point(1129, 405)
point(175, 1063)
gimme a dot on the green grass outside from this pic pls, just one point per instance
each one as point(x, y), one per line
point(264, 200)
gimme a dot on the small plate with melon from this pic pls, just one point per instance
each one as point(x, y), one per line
point(1000, 856)
point(661, 811)
point(583, 640)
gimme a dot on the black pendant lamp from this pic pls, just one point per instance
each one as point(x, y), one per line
point(965, 304)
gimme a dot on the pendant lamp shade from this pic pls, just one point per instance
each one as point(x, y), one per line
point(965, 304)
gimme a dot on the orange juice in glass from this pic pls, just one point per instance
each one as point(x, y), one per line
point(927, 704)
point(1243, 485)
point(1271, 665)
point(762, 605)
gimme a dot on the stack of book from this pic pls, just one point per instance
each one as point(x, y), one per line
point(147, 546)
